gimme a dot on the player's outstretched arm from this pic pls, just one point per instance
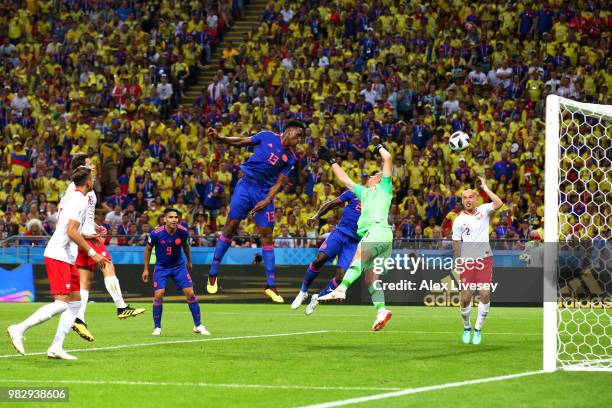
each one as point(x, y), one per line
point(324, 209)
point(238, 141)
point(325, 154)
point(497, 202)
point(77, 238)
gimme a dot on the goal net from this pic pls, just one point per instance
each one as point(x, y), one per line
point(577, 232)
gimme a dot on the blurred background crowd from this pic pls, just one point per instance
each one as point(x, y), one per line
point(107, 78)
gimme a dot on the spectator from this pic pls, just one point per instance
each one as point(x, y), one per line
point(114, 217)
point(504, 167)
point(284, 240)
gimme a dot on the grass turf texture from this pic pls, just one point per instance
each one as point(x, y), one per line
point(420, 347)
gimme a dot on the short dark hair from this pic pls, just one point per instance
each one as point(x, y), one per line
point(81, 175)
point(78, 160)
point(171, 209)
point(295, 123)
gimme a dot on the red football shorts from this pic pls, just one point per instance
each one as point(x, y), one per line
point(63, 277)
point(85, 261)
point(480, 271)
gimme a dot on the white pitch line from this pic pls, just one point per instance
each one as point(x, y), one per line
point(160, 343)
point(409, 391)
point(391, 331)
point(201, 384)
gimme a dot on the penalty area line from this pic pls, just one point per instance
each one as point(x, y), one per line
point(161, 343)
point(408, 391)
point(200, 384)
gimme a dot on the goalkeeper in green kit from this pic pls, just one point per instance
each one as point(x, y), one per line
point(373, 228)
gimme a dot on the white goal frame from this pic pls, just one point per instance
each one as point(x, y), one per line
point(551, 226)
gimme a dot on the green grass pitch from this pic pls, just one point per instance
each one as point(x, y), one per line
point(271, 356)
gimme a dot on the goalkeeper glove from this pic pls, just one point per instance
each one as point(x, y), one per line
point(377, 144)
point(325, 154)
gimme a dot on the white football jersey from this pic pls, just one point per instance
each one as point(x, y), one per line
point(72, 206)
point(473, 231)
point(89, 228)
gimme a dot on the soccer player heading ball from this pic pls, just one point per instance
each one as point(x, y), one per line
point(265, 173)
point(373, 228)
point(473, 256)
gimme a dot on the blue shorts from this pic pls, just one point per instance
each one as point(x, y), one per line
point(179, 275)
point(340, 245)
point(246, 195)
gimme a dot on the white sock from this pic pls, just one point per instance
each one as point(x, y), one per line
point(113, 288)
point(84, 299)
point(465, 315)
point(43, 314)
point(65, 323)
point(483, 311)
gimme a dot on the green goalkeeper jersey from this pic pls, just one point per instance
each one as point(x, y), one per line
point(375, 204)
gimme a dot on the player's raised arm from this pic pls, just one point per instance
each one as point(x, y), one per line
point(324, 209)
point(497, 202)
point(387, 168)
point(325, 154)
point(238, 141)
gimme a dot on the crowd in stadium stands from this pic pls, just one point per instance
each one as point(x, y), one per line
point(105, 77)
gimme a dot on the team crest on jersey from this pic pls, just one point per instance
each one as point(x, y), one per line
point(177, 241)
point(285, 158)
point(270, 145)
point(103, 253)
point(90, 200)
point(163, 241)
point(478, 216)
point(67, 286)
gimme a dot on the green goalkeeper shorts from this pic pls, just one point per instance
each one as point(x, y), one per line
point(376, 247)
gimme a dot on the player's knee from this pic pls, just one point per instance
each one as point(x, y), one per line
point(340, 274)
point(108, 270)
point(266, 237)
point(159, 294)
point(319, 260)
point(230, 228)
point(465, 298)
point(85, 278)
point(485, 297)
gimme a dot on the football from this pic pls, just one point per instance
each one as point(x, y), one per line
point(459, 141)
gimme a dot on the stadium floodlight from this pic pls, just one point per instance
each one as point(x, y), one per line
point(578, 256)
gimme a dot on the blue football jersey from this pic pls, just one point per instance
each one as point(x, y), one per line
point(269, 159)
point(168, 247)
point(350, 214)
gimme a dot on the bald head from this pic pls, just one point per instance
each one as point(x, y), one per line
point(468, 199)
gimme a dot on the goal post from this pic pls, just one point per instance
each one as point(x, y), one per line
point(578, 257)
